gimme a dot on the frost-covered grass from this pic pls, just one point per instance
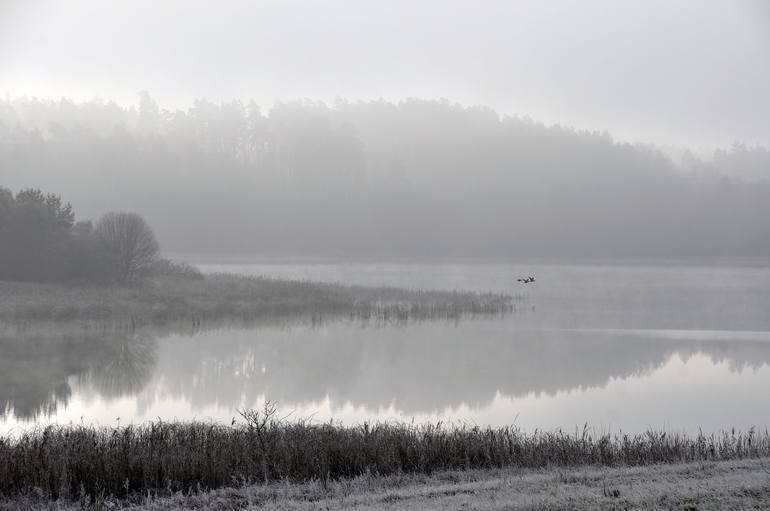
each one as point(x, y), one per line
point(161, 458)
point(710, 485)
point(232, 296)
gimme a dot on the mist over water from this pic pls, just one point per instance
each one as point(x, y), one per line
point(617, 347)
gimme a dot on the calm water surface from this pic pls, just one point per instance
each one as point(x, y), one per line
point(617, 347)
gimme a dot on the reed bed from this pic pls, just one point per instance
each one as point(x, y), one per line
point(233, 296)
point(73, 462)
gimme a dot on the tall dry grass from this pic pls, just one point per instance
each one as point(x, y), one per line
point(77, 461)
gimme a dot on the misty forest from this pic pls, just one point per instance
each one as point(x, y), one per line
point(384, 255)
point(418, 178)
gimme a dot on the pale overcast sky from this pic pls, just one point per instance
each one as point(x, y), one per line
point(686, 72)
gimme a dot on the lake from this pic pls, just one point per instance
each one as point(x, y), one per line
point(619, 347)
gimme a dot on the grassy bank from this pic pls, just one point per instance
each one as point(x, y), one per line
point(232, 296)
point(162, 458)
point(711, 485)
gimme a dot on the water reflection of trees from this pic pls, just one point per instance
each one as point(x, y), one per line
point(418, 367)
point(40, 363)
point(126, 364)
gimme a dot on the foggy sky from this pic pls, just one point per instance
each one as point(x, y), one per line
point(689, 73)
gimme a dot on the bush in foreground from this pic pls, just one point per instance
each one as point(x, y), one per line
point(163, 457)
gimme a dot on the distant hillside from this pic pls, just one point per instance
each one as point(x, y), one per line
point(418, 178)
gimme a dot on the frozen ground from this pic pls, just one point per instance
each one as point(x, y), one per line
point(742, 484)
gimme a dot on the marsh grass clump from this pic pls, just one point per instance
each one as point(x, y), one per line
point(163, 457)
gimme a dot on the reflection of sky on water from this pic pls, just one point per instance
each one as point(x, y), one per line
point(617, 347)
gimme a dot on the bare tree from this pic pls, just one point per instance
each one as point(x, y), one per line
point(130, 241)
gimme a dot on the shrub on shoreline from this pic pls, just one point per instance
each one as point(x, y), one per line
point(40, 242)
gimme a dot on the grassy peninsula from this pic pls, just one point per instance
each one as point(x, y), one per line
point(53, 268)
point(212, 297)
